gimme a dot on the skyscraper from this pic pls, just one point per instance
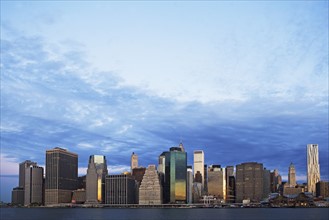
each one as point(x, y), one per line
point(33, 192)
point(198, 157)
point(217, 182)
point(313, 167)
point(22, 167)
point(134, 161)
point(292, 175)
point(189, 185)
point(249, 181)
point(95, 179)
point(175, 176)
point(61, 175)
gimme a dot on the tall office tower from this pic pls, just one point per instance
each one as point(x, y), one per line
point(22, 167)
point(198, 156)
point(18, 192)
point(205, 180)
point(266, 183)
point(33, 185)
point(217, 182)
point(274, 181)
point(175, 176)
point(292, 175)
point(95, 179)
point(161, 166)
point(61, 175)
point(189, 185)
point(231, 192)
point(249, 181)
point(120, 189)
point(150, 190)
point(133, 161)
point(229, 171)
point(313, 167)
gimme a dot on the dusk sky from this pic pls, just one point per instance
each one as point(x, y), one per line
point(242, 81)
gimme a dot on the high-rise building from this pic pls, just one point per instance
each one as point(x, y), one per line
point(33, 190)
point(205, 179)
point(22, 167)
point(189, 185)
point(217, 182)
point(134, 161)
point(95, 179)
point(275, 179)
point(150, 190)
point(292, 175)
point(230, 196)
point(229, 171)
point(266, 183)
point(322, 189)
point(61, 175)
point(175, 176)
point(313, 167)
point(120, 189)
point(249, 181)
point(198, 157)
point(18, 192)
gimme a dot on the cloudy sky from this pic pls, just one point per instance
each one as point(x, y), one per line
point(243, 81)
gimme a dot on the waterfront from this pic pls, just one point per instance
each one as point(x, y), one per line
point(164, 213)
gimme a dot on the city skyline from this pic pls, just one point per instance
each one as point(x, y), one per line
point(242, 81)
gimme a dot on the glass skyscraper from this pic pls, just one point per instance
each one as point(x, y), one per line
point(175, 176)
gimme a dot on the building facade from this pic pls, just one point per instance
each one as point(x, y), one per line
point(95, 179)
point(189, 185)
point(249, 182)
point(120, 189)
point(150, 190)
point(175, 176)
point(322, 189)
point(313, 167)
point(17, 196)
point(198, 159)
point(292, 175)
point(133, 161)
point(33, 190)
point(217, 182)
point(61, 175)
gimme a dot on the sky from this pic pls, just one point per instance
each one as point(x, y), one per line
point(242, 81)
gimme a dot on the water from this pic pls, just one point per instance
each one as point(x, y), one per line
point(162, 214)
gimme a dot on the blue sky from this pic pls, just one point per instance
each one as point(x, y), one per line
point(244, 81)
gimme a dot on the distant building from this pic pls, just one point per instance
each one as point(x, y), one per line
point(217, 182)
point(292, 175)
point(313, 167)
point(205, 180)
point(291, 190)
point(33, 190)
point(276, 181)
point(189, 185)
point(61, 175)
point(175, 175)
point(198, 157)
point(81, 182)
point(249, 181)
point(229, 171)
point(120, 189)
point(322, 189)
point(133, 161)
point(150, 190)
point(266, 183)
point(230, 196)
point(22, 167)
point(197, 192)
point(95, 179)
point(17, 196)
point(79, 196)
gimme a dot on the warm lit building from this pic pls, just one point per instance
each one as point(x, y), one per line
point(133, 161)
point(292, 175)
point(217, 182)
point(198, 157)
point(61, 175)
point(313, 167)
point(95, 179)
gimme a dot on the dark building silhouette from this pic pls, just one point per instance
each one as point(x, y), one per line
point(61, 175)
point(322, 189)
